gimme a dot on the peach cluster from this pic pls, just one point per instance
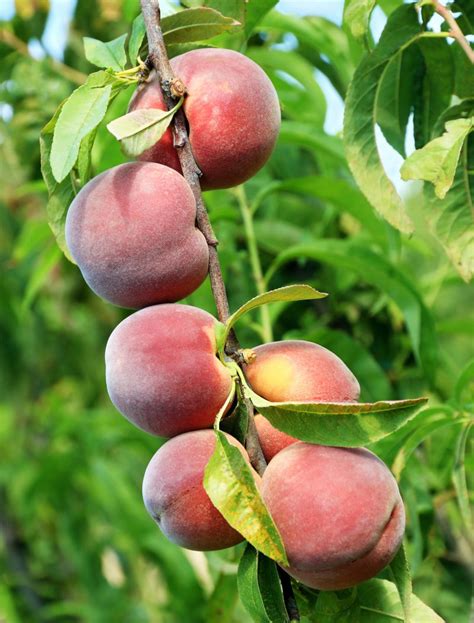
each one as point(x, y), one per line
point(132, 231)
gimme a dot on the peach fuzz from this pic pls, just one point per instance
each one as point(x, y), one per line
point(233, 114)
point(162, 372)
point(299, 371)
point(338, 510)
point(132, 232)
point(175, 497)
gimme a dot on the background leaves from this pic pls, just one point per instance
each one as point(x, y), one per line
point(398, 314)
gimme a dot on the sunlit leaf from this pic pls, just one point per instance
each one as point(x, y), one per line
point(347, 424)
point(438, 160)
point(79, 115)
point(356, 16)
point(196, 25)
point(360, 118)
point(106, 54)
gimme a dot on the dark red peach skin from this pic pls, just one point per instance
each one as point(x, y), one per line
point(338, 510)
point(233, 113)
point(162, 372)
point(132, 232)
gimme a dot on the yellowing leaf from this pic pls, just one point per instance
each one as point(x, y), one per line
point(437, 161)
point(231, 486)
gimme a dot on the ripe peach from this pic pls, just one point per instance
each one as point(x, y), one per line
point(295, 370)
point(175, 496)
point(162, 371)
point(338, 510)
point(233, 113)
point(132, 232)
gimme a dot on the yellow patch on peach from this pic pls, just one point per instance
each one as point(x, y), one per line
point(275, 374)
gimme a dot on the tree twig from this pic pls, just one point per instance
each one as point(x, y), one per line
point(172, 88)
point(158, 57)
point(455, 32)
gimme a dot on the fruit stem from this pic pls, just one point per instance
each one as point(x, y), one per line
point(267, 333)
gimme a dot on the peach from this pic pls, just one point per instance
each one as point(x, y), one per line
point(175, 497)
point(233, 114)
point(295, 370)
point(162, 372)
point(132, 232)
point(338, 510)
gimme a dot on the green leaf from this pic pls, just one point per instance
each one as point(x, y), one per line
point(232, 488)
point(396, 96)
point(338, 424)
point(356, 16)
point(39, 274)
point(339, 193)
point(433, 420)
point(379, 603)
point(221, 603)
point(337, 607)
point(110, 54)
point(136, 38)
point(465, 383)
point(140, 129)
point(79, 115)
point(437, 161)
point(301, 71)
point(464, 76)
point(196, 25)
point(375, 269)
point(313, 138)
point(60, 195)
point(433, 86)
point(459, 479)
point(315, 34)
point(360, 117)
point(255, 10)
point(287, 293)
point(400, 570)
point(451, 219)
point(260, 588)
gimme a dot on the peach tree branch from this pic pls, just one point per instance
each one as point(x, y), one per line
point(172, 89)
point(455, 32)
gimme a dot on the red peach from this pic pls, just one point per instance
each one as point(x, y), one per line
point(175, 497)
point(132, 232)
point(338, 510)
point(233, 113)
point(162, 371)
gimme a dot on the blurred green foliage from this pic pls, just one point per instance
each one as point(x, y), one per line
point(76, 543)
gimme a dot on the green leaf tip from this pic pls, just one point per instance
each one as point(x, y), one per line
point(297, 292)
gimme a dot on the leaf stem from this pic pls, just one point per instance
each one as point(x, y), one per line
point(255, 263)
point(455, 32)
